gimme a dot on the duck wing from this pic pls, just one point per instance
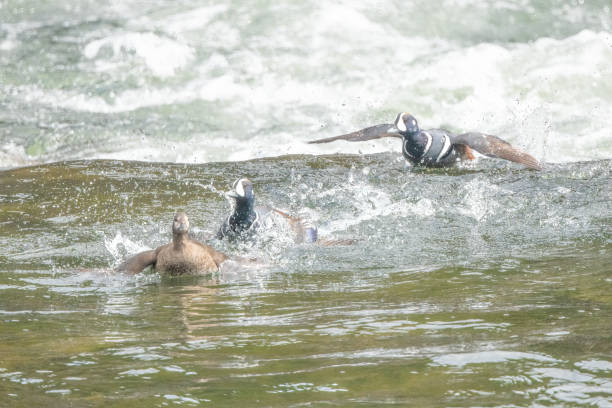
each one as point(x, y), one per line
point(369, 133)
point(493, 146)
point(138, 262)
point(304, 230)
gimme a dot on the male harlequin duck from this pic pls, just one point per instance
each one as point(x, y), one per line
point(246, 218)
point(438, 147)
point(180, 257)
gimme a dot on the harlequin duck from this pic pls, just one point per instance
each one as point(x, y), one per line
point(245, 218)
point(182, 256)
point(437, 147)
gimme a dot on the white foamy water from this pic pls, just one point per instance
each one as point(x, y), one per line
point(174, 82)
point(493, 356)
point(162, 56)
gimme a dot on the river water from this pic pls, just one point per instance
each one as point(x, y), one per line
point(486, 285)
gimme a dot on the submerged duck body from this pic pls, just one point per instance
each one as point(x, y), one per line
point(438, 147)
point(183, 256)
point(246, 218)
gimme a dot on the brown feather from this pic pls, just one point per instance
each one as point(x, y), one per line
point(191, 258)
point(335, 242)
point(299, 225)
point(183, 255)
point(138, 262)
point(465, 153)
point(493, 146)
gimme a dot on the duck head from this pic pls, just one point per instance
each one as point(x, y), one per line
point(415, 142)
point(180, 225)
point(405, 125)
point(242, 194)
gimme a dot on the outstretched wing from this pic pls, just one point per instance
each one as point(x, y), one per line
point(138, 262)
point(304, 231)
point(369, 133)
point(493, 146)
point(307, 232)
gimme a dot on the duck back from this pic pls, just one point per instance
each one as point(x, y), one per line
point(191, 258)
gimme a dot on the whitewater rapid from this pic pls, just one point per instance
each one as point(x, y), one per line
point(212, 83)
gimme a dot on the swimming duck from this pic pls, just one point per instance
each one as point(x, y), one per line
point(182, 256)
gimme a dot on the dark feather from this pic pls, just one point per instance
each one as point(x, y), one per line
point(369, 133)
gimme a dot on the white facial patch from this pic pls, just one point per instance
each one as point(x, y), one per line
point(399, 123)
point(240, 188)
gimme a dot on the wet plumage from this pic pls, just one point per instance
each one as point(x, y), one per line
point(438, 147)
point(183, 256)
point(245, 218)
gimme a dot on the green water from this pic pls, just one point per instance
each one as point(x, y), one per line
point(478, 286)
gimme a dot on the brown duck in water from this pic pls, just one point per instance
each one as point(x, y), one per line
point(183, 256)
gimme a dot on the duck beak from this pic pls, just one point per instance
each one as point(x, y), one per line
point(369, 133)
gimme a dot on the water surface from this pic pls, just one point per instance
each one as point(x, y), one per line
point(485, 285)
point(196, 82)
